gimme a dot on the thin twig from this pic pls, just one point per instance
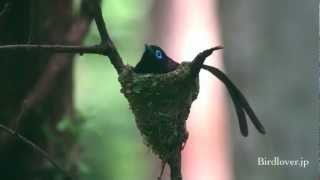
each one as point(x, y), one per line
point(106, 47)
point(95, 49)
point(57, 64)
point(101, 25)
point(42, 87)
point(34, 147)
point(163, 165)
point(111, 50)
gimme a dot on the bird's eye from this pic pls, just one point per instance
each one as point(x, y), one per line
point(158, 54)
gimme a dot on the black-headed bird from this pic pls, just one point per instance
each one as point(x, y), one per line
point(155, 61)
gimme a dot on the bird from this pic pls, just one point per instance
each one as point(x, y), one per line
point(155, 60)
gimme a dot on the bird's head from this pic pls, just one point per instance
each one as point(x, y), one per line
point(154, 53)
point(155, 60)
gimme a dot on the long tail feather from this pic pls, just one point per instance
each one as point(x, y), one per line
point(239, 101)
point(240, 112)
point(251, 113)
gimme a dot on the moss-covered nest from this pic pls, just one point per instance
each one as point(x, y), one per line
point(161, 104)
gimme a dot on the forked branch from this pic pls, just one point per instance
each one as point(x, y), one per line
point(106, 47)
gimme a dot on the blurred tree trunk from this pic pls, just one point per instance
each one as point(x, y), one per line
point(269, 48)
point(43, 80)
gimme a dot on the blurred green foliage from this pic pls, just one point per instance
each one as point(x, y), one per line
point(112, 146)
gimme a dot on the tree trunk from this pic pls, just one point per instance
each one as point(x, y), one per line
point(41, 81)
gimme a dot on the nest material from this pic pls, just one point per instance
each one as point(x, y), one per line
point(161, 104)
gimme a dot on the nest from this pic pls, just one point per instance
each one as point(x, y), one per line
point(161, 105)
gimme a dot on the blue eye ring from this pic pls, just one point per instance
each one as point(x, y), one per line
point(158, 54)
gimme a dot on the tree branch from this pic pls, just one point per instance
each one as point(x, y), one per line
point(110, 50)
point(104, 35)
point(95, 49)
point(34, 147)
point(106, 47)
point(57, 63)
